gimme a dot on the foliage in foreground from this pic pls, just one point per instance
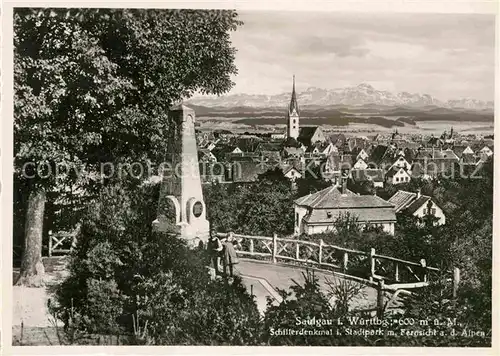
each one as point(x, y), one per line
point(125, 279)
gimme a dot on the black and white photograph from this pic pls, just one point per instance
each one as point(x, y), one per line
point(237, 177)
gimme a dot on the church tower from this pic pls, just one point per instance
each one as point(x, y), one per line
point(293, 115)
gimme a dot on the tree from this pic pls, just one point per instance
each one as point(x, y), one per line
point(93, 88)
point(260, 208)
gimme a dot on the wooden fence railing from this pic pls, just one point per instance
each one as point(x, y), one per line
point(395, 272)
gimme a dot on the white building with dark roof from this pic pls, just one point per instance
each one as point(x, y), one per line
point(318, 212)
point(417, 205)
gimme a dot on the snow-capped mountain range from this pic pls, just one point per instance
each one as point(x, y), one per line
point(362, 94)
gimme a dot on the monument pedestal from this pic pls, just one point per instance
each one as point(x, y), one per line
point(181, 209)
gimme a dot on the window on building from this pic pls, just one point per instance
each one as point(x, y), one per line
point(425, 211)
point(397, 179)
point(297, 219)
point(294, 121)
point(433, 211)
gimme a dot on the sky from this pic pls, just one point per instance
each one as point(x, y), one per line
point(449, 56)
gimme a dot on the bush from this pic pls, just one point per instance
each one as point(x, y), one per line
point(127, 280)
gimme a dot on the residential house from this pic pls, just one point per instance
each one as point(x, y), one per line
point(222, 150)
point(269, 150)
point(318, 212)
point(321, 148)
point(430, 163)
point(369, 175)
point(360, 164)
point(361, 154)
point(278, 136)
point(291, 172)
point(485, 151)
point(460, 150)
point(381, 157)
point(397, 175)
point(401, 162)
point(417, 205)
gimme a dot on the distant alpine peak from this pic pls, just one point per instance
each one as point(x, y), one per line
point(364, 86)
point(361, 94)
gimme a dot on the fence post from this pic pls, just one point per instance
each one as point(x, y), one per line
point(396, 272)
point(275, 246)
point(380, 299)
point(424, 265)
point(456, 281)
point(50, 243)
point(251, 246)
point(372, 264)
point(297, 250)
point(346, 260)
point(320, 253)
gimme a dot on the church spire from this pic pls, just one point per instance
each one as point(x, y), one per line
point(293, 115)
point(293, 101)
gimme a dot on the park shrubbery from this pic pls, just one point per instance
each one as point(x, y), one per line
point(127, 280)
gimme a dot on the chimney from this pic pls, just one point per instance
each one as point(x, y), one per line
point(343, 182)
point(418, 194)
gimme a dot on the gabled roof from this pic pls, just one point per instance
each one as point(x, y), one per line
point(288, 167)
point(378, 154)
point(268, 146)
point(393, 171)
point(459, 150)
point(247, 144)
point(401, 199)
point(365, 215)
point(416, 204)
point(366, 175)
point(222, 150)
point(306, 133)
point(321, 146)
point(332, 198)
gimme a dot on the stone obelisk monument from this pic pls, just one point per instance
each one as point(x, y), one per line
point(181, 209)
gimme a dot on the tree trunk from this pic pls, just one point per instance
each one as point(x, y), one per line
point(32, 270)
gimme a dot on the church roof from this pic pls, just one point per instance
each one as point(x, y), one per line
point(293, 101)
point(306, 133)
